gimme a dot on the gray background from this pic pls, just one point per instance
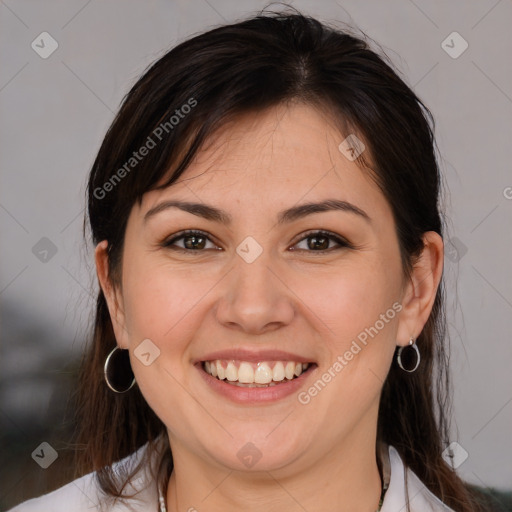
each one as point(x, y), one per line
point(54, 114)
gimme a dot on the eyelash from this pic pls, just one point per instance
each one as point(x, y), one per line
point(342, 243)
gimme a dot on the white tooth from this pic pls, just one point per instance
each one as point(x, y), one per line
point(213, 368)
point(245, 373)
point(231, 372)
point(278, 372)
point(289, 370)
point(298, 369)
point(207, 366)
point(221, 373)
point(263, 374)
point(305, 366)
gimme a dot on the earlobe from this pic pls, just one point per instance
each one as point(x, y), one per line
point(421, 290)
point(114, 303)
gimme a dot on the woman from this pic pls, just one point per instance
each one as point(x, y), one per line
point(269, 326)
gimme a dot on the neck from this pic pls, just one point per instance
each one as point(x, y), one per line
point(344, 479)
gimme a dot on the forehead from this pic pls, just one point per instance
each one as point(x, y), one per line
point(283, 155)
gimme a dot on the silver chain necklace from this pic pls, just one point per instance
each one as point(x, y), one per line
point(386, 477)
point(163, 507)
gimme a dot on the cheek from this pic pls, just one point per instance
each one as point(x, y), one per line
point(352, 300)
point(159, 300)
point(360, 306)
point(160, 305)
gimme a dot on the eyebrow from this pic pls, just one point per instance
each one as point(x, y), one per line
point(212, 213)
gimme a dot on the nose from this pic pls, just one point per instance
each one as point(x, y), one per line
point(255, 299)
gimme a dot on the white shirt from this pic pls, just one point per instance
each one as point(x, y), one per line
point(83, 495)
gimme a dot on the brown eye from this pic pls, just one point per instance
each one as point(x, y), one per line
point(189, 241)
point(194, 241)
point(320, 241)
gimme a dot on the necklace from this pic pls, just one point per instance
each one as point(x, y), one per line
point(385, 470)
point(163, 507)
point(161, 499)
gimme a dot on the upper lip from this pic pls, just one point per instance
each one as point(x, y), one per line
point(253, 356)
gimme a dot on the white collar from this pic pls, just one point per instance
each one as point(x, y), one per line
point(420, 498)
point(146, 499)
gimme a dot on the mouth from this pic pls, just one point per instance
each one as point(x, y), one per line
point(250, 377)
point(255, 374)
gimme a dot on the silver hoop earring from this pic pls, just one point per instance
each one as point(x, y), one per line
point(118, 371)
point(412, 345)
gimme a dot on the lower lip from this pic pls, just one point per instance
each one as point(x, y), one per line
point(246, 395)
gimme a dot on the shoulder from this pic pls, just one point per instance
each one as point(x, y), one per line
point(418, 496)
point(84, 494)
point(80, 494)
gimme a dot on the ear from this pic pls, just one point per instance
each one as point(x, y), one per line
point(112, 295)
point(421, 289)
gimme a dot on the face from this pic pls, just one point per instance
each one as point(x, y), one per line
point(264, 296)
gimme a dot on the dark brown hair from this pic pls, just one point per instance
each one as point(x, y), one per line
point(270, 59)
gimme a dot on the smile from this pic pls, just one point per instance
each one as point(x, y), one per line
point(254, 374)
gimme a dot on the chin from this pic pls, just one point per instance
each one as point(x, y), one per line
point(258, 451)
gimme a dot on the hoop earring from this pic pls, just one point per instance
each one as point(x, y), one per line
point(119, 382)
point(412, 344)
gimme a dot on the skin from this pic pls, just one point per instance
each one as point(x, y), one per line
point(315, 457)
